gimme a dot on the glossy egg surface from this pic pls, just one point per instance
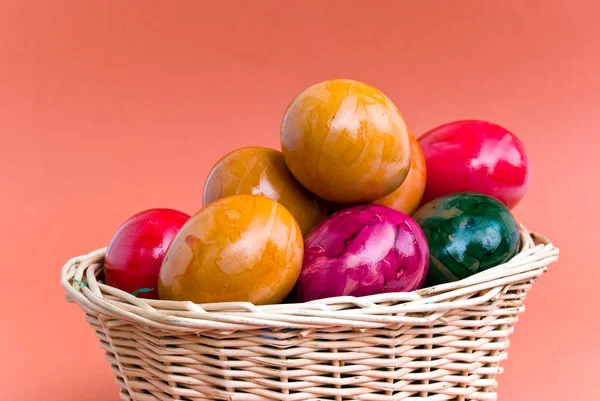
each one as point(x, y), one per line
point(345, 141)
point(262, 171)
point(241, 248)
point(475, 156)
point(136, 251)
point(364, 250)
point(467, 233)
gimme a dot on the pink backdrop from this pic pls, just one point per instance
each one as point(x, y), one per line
point(110, 107)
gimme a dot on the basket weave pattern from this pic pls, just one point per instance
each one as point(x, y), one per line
point(439, 343)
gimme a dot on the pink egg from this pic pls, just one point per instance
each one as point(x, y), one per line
point(363, 250)
point(475, 156)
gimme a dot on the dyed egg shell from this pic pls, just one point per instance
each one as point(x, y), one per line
point(364, 250)
point(467, 233)
point(346, 142)
point(475, 156)
point(137, 249)
point(242, 248)
point(407, 197)
point(262, 171)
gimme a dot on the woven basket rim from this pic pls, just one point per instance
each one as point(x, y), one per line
point(420, 307)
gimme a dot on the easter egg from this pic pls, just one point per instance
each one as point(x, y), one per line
point(345, 141)
point(407, 197)
point(137, 249)
point(364, 250)
point(475, 156)
point(467, 233)
point(262, 171)
point(241, 248)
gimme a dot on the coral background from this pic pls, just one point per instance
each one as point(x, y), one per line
point(110, 107)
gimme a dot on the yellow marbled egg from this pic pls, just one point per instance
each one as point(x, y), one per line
point(346, 141)
point(262, 171)
point(241, 248)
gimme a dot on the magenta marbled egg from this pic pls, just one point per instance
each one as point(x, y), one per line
point(364, 250)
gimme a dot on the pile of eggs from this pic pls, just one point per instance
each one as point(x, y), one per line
point(352, 205)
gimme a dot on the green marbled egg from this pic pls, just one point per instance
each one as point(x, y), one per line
point(467, 233)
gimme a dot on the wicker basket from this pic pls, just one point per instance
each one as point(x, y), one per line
point(438, 343)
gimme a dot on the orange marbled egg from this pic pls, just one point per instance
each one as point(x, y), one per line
point(242, 248)
point(345, 141)
point(407, 197)
point(262, 171)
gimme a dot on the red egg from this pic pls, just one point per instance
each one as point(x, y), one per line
point(136, 251)
point(475, 156)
